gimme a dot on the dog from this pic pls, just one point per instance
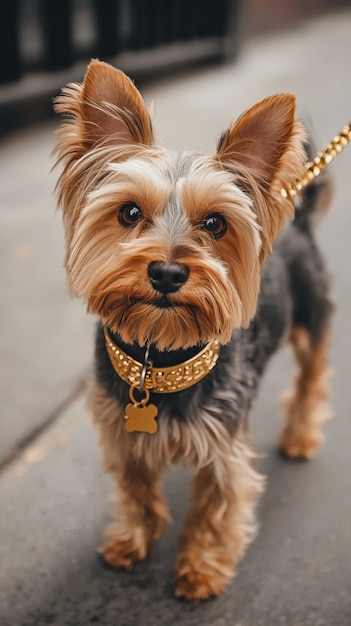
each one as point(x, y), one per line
point(199, 268)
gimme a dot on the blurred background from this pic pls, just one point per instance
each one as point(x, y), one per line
point(202, 63)
point(39, 40)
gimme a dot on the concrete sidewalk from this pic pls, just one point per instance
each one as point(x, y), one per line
point(54, 497)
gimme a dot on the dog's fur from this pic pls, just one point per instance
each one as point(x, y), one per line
point(235, 289)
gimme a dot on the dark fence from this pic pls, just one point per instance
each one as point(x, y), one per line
point(52, 35)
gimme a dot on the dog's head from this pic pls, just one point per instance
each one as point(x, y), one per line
point(167, 247)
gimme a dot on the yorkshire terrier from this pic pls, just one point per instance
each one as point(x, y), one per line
point(173, 251)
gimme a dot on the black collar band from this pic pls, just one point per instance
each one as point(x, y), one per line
point(158, 358)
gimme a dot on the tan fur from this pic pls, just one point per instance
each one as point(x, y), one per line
point(306, 405)
point(221, 521)
point(209, 301)
point(107, 111)
point(266, 146)
point(108, 158)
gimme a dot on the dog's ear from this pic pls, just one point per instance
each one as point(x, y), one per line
point(107, 108)
point(260, 137)
point(265, 148)
point(113, 108)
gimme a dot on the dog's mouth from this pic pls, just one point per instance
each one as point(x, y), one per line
point(163, 320)
point(159, 303)
point(164, 303)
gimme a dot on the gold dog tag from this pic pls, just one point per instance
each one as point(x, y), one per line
point(140, 416)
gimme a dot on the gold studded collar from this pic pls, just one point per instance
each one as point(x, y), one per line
point(162, 379)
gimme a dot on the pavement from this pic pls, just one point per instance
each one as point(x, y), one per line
point(54, 496)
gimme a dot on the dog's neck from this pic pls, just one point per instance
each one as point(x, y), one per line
point(159, 358)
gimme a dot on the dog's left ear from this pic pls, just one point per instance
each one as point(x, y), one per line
point(259, 139)
point(265, 148)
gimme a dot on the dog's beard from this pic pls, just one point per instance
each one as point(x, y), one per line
point(172, 327)
point(179, 320)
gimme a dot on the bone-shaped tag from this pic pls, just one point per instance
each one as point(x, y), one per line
point(141, 418)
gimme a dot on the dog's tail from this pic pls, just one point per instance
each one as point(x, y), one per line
point(316, 198)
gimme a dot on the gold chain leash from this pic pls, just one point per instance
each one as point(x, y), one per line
point(317, 166)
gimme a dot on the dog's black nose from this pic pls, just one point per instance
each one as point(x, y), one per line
point(167, 277)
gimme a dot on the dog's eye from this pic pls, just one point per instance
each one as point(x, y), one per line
point(129, 214)
point(215, 224)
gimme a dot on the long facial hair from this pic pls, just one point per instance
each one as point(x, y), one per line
point(109, 159)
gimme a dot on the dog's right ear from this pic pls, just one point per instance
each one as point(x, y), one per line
point(107, 109)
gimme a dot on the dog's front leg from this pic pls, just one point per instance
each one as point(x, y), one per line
point(219, 524)
point(141, 516)
point(141, 511)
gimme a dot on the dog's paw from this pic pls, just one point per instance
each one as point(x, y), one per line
point(299, 446)
point(123, 554)
point(196, 587)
